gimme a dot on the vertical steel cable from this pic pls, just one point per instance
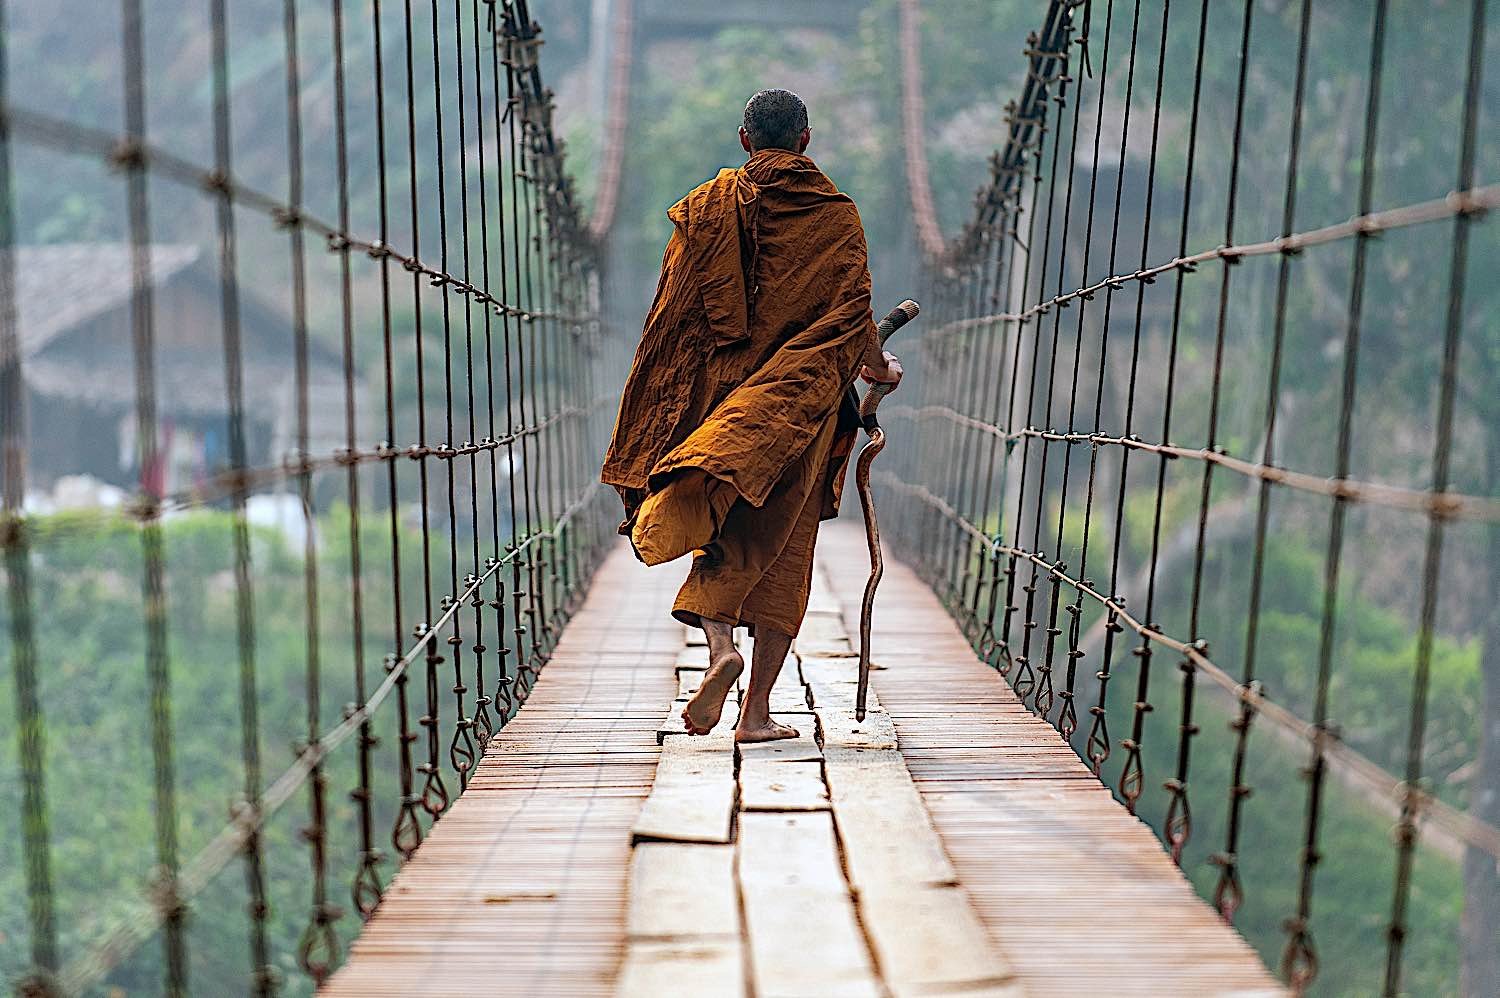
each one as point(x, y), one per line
point(951, 360)
point(407, 834)
point(365, 742)
point(969, 372)
point(517, 50)
point(367, 886)
point(552, 459)
point(1067, 719)
point(1299, 959)
point(1024, 681)
point(980, 361)
point(990, 648)
point(461, 752)
point(317, 950)
point(1406, 829)
point(537, 194)
point(505, 690)
point(927, 455)
point(1045, 694)
point(1097, 745)
point(976, 556)
point(158, 660)
point(481, 726)
point(366, 889)
point(1352, 333)
point(1228, 891)
point(509, 323)
point(1131, 774)
point(482, 699)
point(1178, 824)
point(263, 975)
point(31, 740)
point(365, 881)
point(527, 292)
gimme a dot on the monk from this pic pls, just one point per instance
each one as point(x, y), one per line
point(739, 413)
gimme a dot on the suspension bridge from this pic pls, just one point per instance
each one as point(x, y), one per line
point(420, 734)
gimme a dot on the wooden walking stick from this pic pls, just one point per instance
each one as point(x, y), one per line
point(898, 317)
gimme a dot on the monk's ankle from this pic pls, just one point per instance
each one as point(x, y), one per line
point(750, 718)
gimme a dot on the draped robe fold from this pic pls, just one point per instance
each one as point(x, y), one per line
point(736, 421)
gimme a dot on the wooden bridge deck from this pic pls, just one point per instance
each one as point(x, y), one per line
point(950, 844)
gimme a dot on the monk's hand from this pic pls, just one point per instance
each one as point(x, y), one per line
point(888, 372)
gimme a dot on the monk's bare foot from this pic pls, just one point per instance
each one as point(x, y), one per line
point(702, 712)
point(770, 731)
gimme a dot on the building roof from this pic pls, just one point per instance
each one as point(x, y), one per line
point(60, 286)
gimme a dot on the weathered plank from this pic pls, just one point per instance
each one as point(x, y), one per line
point(688, 681)
point(693, 657)
point(789, 700)
point(773, 785)
point(803, 748)
point(680, 890)
point(887, 834)
point(789, 694)
point(840, 693)
point(929, 940)
point(824, 668)
point(821, 600)
point(839, 647)
point(841, 730)
point(703, 968)
point(822, 627)
point(804, 939)
point(692, 798)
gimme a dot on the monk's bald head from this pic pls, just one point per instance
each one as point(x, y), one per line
point(775, 119)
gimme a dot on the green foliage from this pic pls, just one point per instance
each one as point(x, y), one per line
point(98, 720)
point(1372, 667)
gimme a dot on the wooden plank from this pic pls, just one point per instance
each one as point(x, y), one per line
point(773, 785)
point(821, 600)
point(692, 798)
point(803, 748)
point(804, 939)
point(840, 693)
point(841, 730)
point(822, 627)
point(693, 657)
point(704, 968)
point(789, 700)
point(680, 890)
point(688, 681)
point(829, 647)
point(837, 669)
point(789, 694)
point(928, 940)
point(886, 832)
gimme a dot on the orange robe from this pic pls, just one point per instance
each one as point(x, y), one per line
point(736, 423)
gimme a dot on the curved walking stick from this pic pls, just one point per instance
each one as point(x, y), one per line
point(898, 317)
